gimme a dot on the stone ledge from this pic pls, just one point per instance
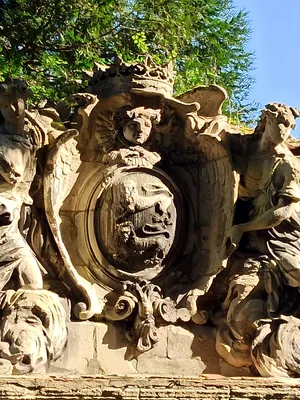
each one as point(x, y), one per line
point(146, 387)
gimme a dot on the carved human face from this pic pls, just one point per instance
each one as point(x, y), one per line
point(278, 125)
point(137, 130)
point(13, 110)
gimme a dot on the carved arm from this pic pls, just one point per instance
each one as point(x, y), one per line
point(271, 218)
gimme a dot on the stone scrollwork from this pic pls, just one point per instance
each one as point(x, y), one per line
point(119, 208)
point(144, 303)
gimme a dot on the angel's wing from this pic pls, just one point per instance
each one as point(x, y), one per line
point(209, 187)
point(209, 97)
point(62, 167)
point(104, 131)
point(218, 189)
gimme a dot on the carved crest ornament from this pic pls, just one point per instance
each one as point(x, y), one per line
point(152, 210)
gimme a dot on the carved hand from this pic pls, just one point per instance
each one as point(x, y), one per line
point(235, 237)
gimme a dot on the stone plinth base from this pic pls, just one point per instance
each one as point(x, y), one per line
point(148, 388)
point(100, 348)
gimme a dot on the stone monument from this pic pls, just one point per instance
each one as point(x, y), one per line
point(144, 227)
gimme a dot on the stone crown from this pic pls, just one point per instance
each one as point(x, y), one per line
point(121, 77)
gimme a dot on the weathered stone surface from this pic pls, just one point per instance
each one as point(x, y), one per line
point(94, 348)
point(100, 348)
point(262, 303)
point(176, 235)
point(148, 388)
point(33, 320)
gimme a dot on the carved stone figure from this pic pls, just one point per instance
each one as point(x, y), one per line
point(132, 129)
point(19, 142)
point(135, 125)
point(27, 337)
point(153, 241)
point(139, 195)
point(150, 210)
point(269, 272)
point(32, 331)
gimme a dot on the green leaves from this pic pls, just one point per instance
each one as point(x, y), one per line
point(140, 40)
point(49, 42)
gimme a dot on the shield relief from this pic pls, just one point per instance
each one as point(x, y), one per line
point(141, 201)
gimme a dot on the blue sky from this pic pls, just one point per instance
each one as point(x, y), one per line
point(275, 41)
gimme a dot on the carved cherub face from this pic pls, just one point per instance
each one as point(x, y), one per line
point(137, 130)
point(135, 124)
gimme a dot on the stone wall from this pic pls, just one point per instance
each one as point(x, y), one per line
point(210, 387)
point(101, 348)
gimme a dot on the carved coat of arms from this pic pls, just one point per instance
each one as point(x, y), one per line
point(140, 202)
point(149, 209)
